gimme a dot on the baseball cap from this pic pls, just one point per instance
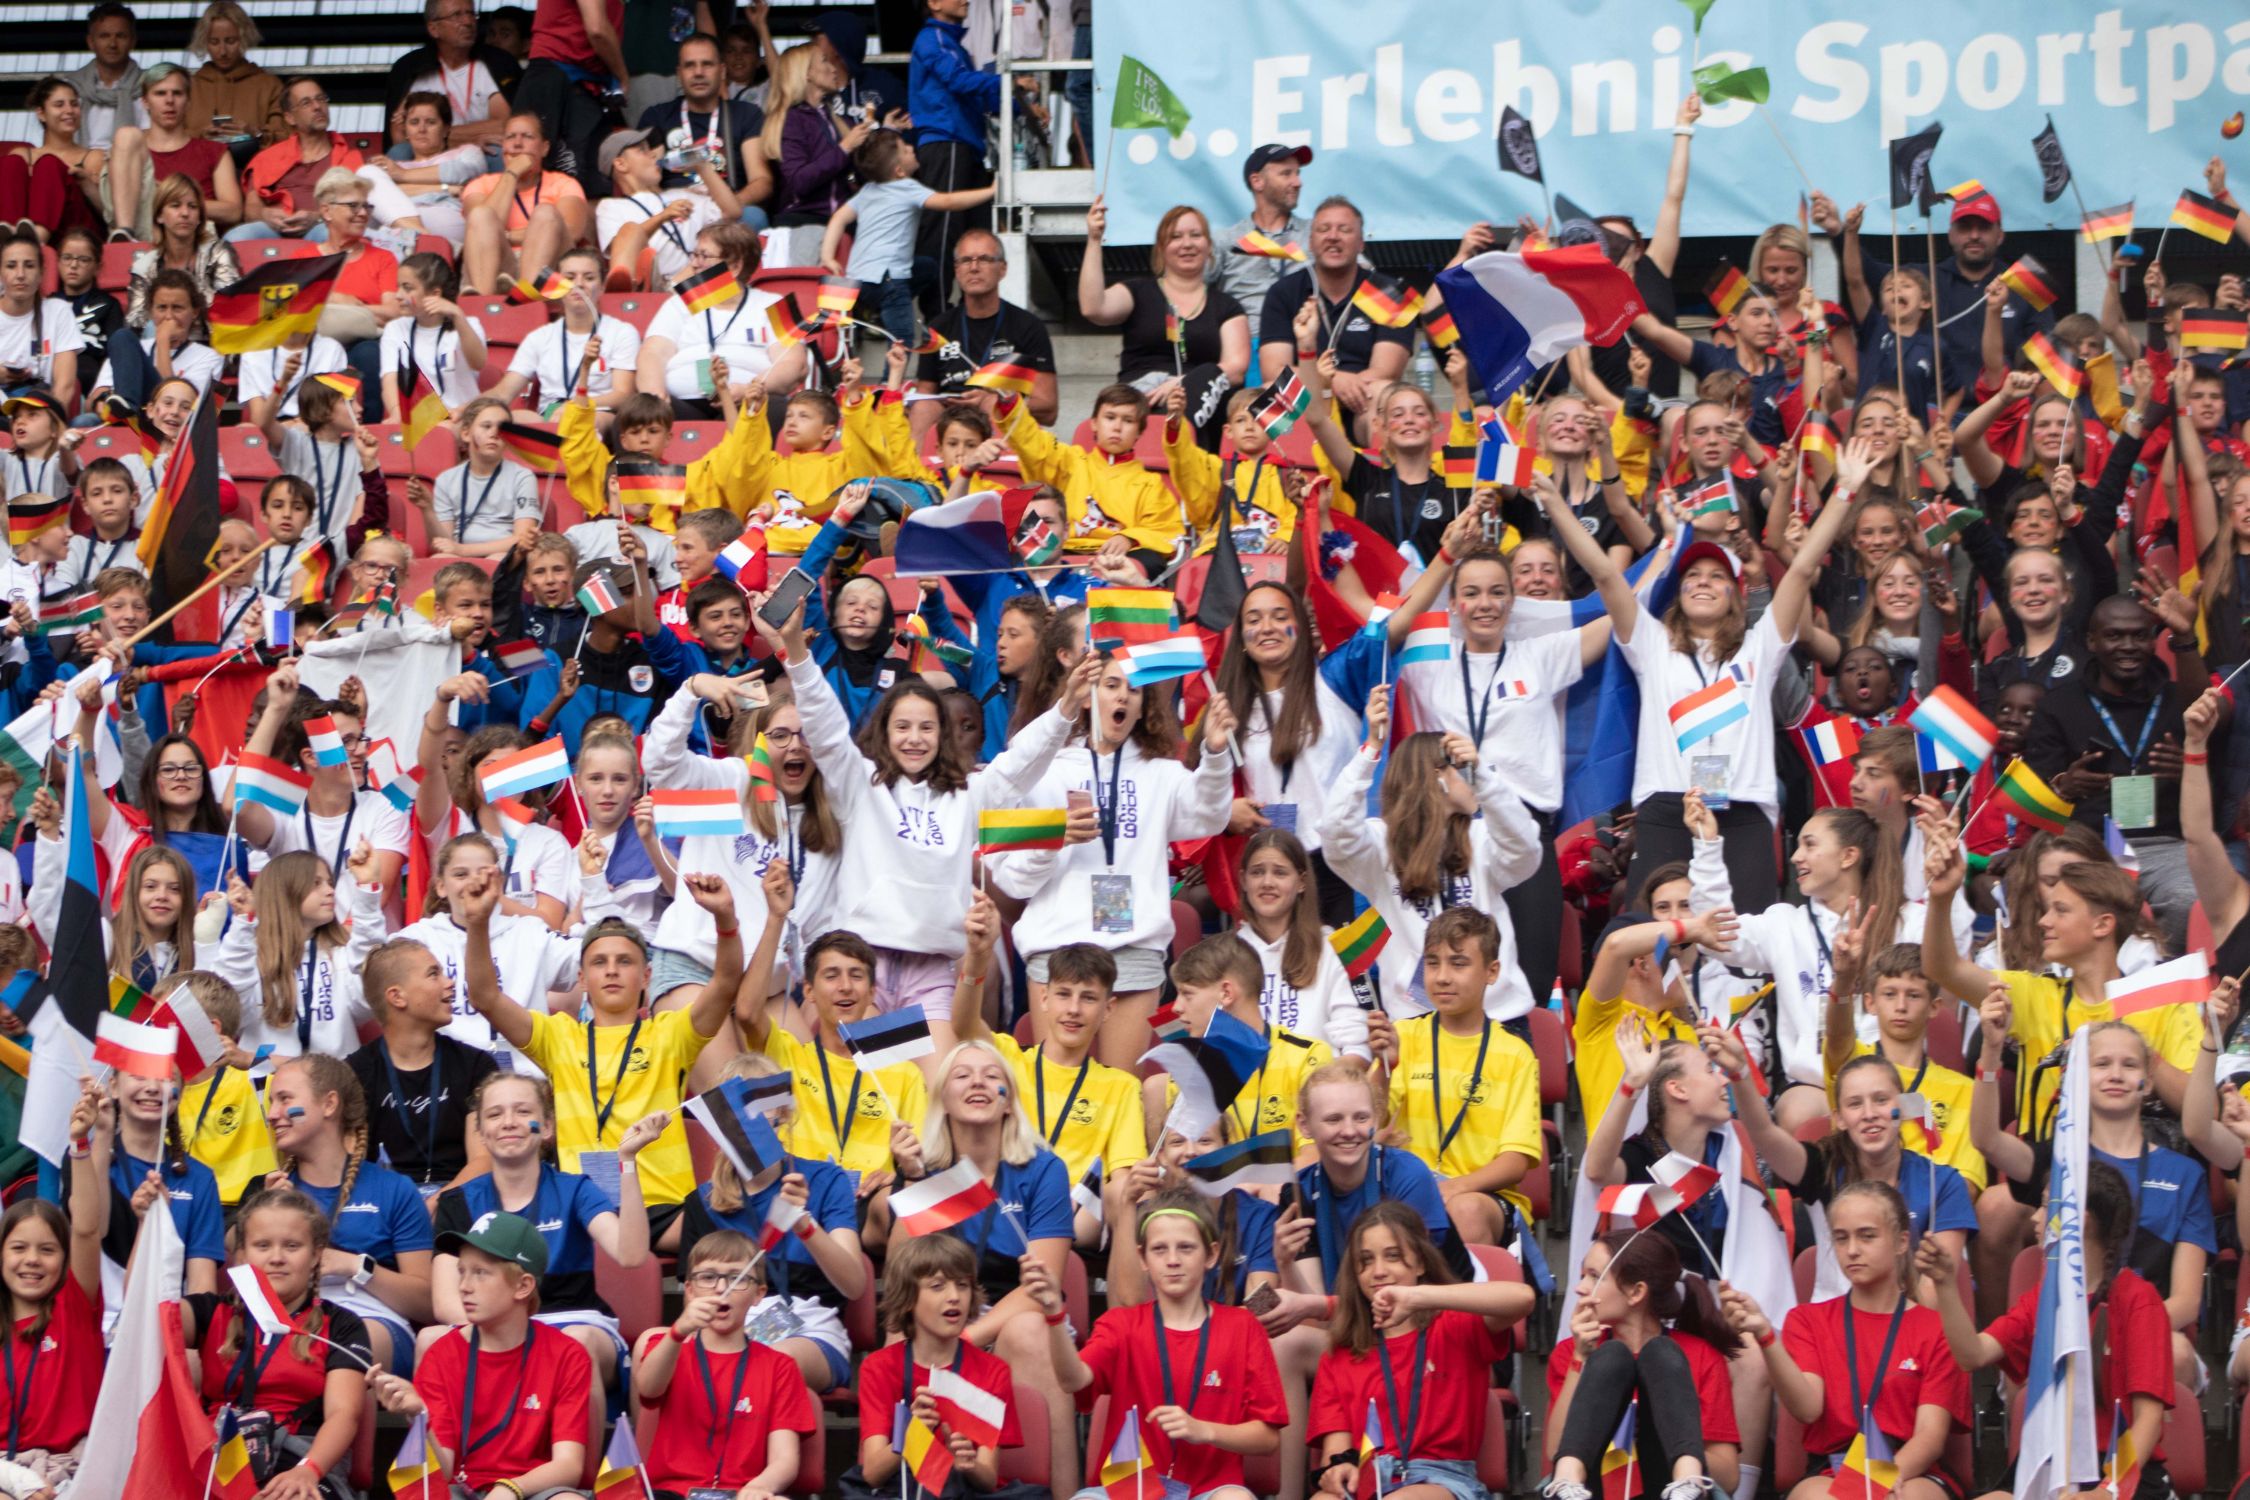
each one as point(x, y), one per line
point(508, 1237)
point(1978, 205)
point(1266, 155)
point(1696, 551)
point(615, 142)
point(36, 398)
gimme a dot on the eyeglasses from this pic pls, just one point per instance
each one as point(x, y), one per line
point(709, 1281)
point(354, 741)
point(78, 259)
point(978, 260)
point(319, 99)
point(776, 738)
point(190, 772)
point(699, 255)
point(355, 208)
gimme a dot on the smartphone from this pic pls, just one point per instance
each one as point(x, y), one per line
point(1081, 798)
point(787, 595)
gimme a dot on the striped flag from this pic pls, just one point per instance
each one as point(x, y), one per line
point(621, 1464)
point(132, 1047)
point(1126, 1472)
point(1941, 520)
point(1728, 288)
point(2214, 330)
point(1258, 242)
point(760, 758)
point(1360, 942)
point(2120, 847)
point(1503, 460)
point(650, 482)
point(1264, 1160)
point(345, 383)
point(259, 1300)
point(897, 1036)
point(2107, 223)
point(1830, 742)
point(1283, 405)
point(525, 770)
point(1037, 543)
point(2207, 217)
point(2058, 1452)
point(273, 303)
point(421, 405)
point(1708, 497)
point(2031, 799)
point(1916, 1110)
point(967, 1408)
point(2055, 365)
point(1438, 327)
point(129, 1001)
point(67, 611)
point(1710, 709)
point(548, 286)
point(1210, 1070)
point(1819, 436)
point(1117, 618)
point(837, 294)
point(927, 1457)
point(942, 1200)
point(281, 624)
point(1002, 376)
point(744, 1133)
point(1383, 308)
point(1002, 830)
point(2185, 980)
point(1863, 1475)
point(417, 1466)
point(1429, 639)
point(536, 448)
point(711, 287)
point(687, 813)
point(327, 742)
point(29, 515)
point(1953, 721)
point(782, 1216)
point(597, 597)
point(734, 557)
point(1151, 662)
point(518, 657)
point(2029, 280)
point(270, 784)
point(398, 783)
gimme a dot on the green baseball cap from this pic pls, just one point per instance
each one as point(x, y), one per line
point(508, 1237)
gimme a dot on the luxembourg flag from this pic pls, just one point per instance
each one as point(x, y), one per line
point(1430, 639)
point(1830, 742)
point(269, 783)
point(327, 742)
point(1953, 721)
point(1518, 313)
point(1501, 459)
point(959, 536)
point(1151, 662)
point(525, 771)
point(683, 814)
point(1708, 710)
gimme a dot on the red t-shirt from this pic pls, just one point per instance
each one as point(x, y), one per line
point(1239, 1383)
point(368, 275)
point(558, 32)
point(715, 1435)
point(527, 1399)
point(1456, 1380)
point(881, 1373)
point(58, 1391)
point(1714, 1383)
point(1921, 1372)
point(277, 1379)
point(198, 161)
point(2139, 1356)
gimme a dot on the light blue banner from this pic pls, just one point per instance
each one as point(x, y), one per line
point(1400, 101)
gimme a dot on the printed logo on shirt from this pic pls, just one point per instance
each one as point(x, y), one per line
point(639, 1062)
point(1907, 1366)
point(225, 1121)
point(1479, 1091)
point(531, 1402)
point(640, 677)
point(550, 1226)
point(48, 1345)
point(1095, 519)
point(1433, 508)
point(917, 826)
point(359, 1208)
point(742, 1407)
point(1211, 1382)
point(2161, 1185)
point(182, 1195)
point(1278, 999)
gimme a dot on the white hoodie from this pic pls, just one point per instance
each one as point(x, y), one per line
point(333, 998)
point(909, 858)
point(1325, 1010)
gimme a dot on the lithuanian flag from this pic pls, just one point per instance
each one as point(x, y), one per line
point(709, 288)
point(29, 515)
point(1727, 288)
point(536, 448)
point(2055, 365)
point(1117, 618)
point(2107, 224)
point(760, 758)
point(1360, 942)
point(2031, 799)
point(128, 1001)
point(423, 408)
point(1002, 829)
point(2207, 217)
point(276, 300)
point(1000, 376)
point(2029, 280)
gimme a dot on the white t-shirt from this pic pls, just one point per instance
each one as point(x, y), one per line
point(1302, 787)
point(740, 334)
point(261, 368)
point(1517, 695)
point(197, 364)
point(550, 353)
point(1667, 677)
point(88, 557)
point(372, 817)
point(543, 864)
point(491, 505)
point(468, 90)
point(671, 243)
point(436, 353)
point(30, 341)
point(332, 469)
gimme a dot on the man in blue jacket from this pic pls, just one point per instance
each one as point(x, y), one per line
point(950, 98)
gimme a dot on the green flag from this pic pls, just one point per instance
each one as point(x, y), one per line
point(1717, 81)
point(1699, 9)
point(1144, 102)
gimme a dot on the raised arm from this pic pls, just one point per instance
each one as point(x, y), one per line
point(2223, 892)
point(1663, 250)
point(1609, 580)
point(757, 981)
point(1780, 1149)
point(1944, 868)
point(2008, 1154)
point(474, 914)
point(1101, 304)
point(1795, 588)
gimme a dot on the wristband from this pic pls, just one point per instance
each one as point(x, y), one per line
point(510, 1486)
point(1444, 556)
point(2194, 758)
point(1304, 353)
point(1331, 1301)
point(537, 726)
point(1056, 1320)
point(627, 1164)
point(671, 1335)
point(1679, 932)
point(1626, 1091)
point(1988, 1075)
point(307, 1463)
point(727, 932)
point(1683, 131)
point(1765, 1340)
point(806, 1228)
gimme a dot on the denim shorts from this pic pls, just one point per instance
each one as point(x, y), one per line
point(1456, 1476)
point(669, 968)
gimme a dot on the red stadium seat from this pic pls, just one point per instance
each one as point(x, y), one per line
point(859, 1314)
point(1551, 1045)
point(434, 244)
point(1187, 928)
point(2185, 1459)
point(116, 273)
point(693, 440)
point(636, 308)
point(512, 322)
point(636, 1295)
point(244, 454)
point(1028, 1464)
point(363, 1447)
point(256, 252)
point(1945, 1036)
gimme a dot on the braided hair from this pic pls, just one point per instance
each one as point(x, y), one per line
point(286, 1201)
point(329, 1075)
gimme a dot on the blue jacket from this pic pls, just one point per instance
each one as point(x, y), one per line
point(828, 651)
point(514, 700)
point(987, 595)
point(607, 686)
point(948, 95)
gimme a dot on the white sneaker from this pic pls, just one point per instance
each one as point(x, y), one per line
point(1565, 1489)
point(1694, 1487)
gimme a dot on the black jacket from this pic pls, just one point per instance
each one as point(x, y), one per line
point(2067, 725)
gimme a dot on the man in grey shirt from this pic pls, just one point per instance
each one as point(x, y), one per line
point(1275, 177)
point(109, 87)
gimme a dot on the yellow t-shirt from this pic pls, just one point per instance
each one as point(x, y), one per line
point(862, 1108)
point(630, 1088)
point(2038, 1024)
point(1948, 1093)
point(229, 1135)
point(1489, 1105)
point(1600, 1069)
point(1103, 1122)
point(1274, 1087)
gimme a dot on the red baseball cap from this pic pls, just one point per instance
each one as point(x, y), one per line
point(1704, 547)
point(1978, 205)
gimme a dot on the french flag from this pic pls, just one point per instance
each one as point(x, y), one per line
point(734, 557)
point(968, 535)
point(1518, 313)
point(1830, 742)
point(1501, 459)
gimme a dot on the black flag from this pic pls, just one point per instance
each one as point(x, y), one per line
point(1224, 588)
point(1910, 169)
point(1519, 148)
point(2054, 167)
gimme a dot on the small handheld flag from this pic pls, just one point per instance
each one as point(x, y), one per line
point(2029, 280)
point(2107, 223)
point(536, 448)
point(1710, 709)
point(968, 1408)
point(1125, 1471)
point(327, 742)
point(1429, 639)
point(2186, 980)
point(597, 597)
point(131, 1047)
point(650, 482)
point(711, 287)
point(621, 1465)
point(417, 1464)
point(1955, 723)
point(898, 1036)
point(942, 1199)
point(424, 409)
point(29, 515)
point(1001, 376)
point(1004, 830)
point(525, 770)
point(519, 657)
point(1151, 662)
point(1283, 405)
point(692, 812)
point(2030, 798)
point(1258, 242)
point(1117, 618)
point(762, 787)
point(1727, 289)
point(270, 784)
point(837, 294)
point(548, 286)
point(1263, 1160)
point(1360, 942)
point(2206, 217)
point(740, 1130)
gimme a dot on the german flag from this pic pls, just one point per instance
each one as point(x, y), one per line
point(536, 448)
point(423, 408)
point(2055, 366)
point(930, 342)
point(2107, 224)
point(1819, 436)
point(1256, 242)
point(837, 294)
point(2028, 279)
point(1004, 377)
point(1727, 288)
point(1458, 466)
point(276, 300)
point(1382, 309)
point(646, 481)
point(706, 289)
point(1967, 189)
point(30, 515)
point(183, 526)
point(1439, 329)
point(345, 383)
point(2207, 217)
point(316, 569)
point(547, 286)
point(788, 330)
point(2214, 330)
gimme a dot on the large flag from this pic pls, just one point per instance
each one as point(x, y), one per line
point(75, 997)
point(1517, 313)
point(968, 535)
point(2058, 1450)
point(156, 1439)
point(1209, 1070)
point(273, 303)
point(1144, 101)
point(183, 526)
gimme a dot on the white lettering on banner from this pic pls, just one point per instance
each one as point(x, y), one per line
point(1413, 110)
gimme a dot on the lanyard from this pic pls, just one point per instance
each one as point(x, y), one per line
point(1863, 1411)
point(1402, 1429)
point(1446, 1132)
point(721, 1422)
point(244, 1379)
point(538, 185)
point(1820, 940)
point(468, 515)
point(1164, 1364)
point(1108, 810)
point(985, 356)
point(2117, 736)
point(305, 995)
point(671, 231)
point(1478, 706)
point(1273, 722)
point(18, 1395)
point(326, 493)
point(712, 335)
point(209, 1094)
point(437, 351)
point(1329, 1232)
point(462, 102)
point(840, 1128)
point(1039, 1088)
point(343, 844)
point(31, 486)
point(568, 385)
point(89, 569)
point(603, 1111)
point(435, 1093)
point(471, 1444)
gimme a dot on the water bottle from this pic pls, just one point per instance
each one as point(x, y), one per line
point(1423, 369)
point(1022, 147)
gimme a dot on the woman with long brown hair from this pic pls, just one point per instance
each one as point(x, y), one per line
point(295, 964)
point(186, 241)
point(43, 187)
point(1306, 989)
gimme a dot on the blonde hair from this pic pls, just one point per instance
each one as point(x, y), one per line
point(131, 937)
point(199, 43)
point(1779, 237)
point(1019, 1142)
point(784, 91)
point(284, 934)
point(327, 1075)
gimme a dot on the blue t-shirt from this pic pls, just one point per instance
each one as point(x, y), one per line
point(564, 1209)
point(1955, 1209)
point(1253, 1243)
point(883, 239)
point(197, 1210)
point(2173, 1208)
point(384, 1216)
point(1392, 1174)
point(790, 1268)
point(1765, 389)
point(1038, 1195)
